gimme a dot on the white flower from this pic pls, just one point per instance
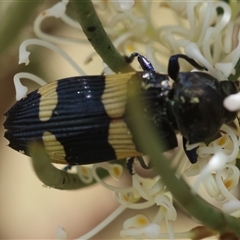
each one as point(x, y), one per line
point(224, 151)
point(199, 32)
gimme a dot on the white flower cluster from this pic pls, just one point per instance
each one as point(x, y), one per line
point(219, 174)
point(201, 33)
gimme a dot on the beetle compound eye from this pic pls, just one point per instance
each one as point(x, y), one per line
point(227, 88)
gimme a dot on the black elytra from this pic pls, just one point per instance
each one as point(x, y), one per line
point(83, 119)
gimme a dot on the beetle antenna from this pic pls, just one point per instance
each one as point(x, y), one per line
point(173, 65)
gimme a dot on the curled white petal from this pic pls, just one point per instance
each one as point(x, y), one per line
point(33, 41)
point(103, 224)
point(227, 38)
point(107, 167)
point(217, 162)
point(205, 151)
point(122, 38)
point(223, 20)
point(125, 5)
point(192, 51)
point(152, 230)
point(224, 190)
point(231, 206)
point(140, 205)
point(193, 170)
point(137, 184)
point(225, 68)
point(131, 232)
point(57, 11)
point(232, 102)
point(234, 153)
point(21, 90)
point(211, 186)
point(85, 174)
point(234, 56)
point(116, 171)
point(24, 57)
point(169, 210)
point(137, 221)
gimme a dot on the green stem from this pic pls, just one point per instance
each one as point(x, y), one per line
point(52, 176)
point(14, 18)
point(193, 204)
point(97, 36)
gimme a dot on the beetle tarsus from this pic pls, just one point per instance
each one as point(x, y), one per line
point(68, 167)
point(140, 159)
point(191, 154)
point(129, 165)
point(143, 164)
point(145, 64)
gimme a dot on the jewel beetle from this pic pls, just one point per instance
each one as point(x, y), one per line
point(84, 119)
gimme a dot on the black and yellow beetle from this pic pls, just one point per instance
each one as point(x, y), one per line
point(83, 120)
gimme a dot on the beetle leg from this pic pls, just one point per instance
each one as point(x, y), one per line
point(68, 167)
point(144, 62)
point(129, 165)
point(140, 159)
point(143, 164)
point(191, 154)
